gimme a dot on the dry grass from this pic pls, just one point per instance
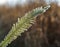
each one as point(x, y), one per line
point(44, 33)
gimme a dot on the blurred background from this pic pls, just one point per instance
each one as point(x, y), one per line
point(22, 2)
point(49, 22)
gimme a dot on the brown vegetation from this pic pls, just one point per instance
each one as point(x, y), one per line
point(44, 33)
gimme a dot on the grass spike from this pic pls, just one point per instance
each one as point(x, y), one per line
point(23, 24)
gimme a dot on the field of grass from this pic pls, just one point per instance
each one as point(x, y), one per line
point(45, 32)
